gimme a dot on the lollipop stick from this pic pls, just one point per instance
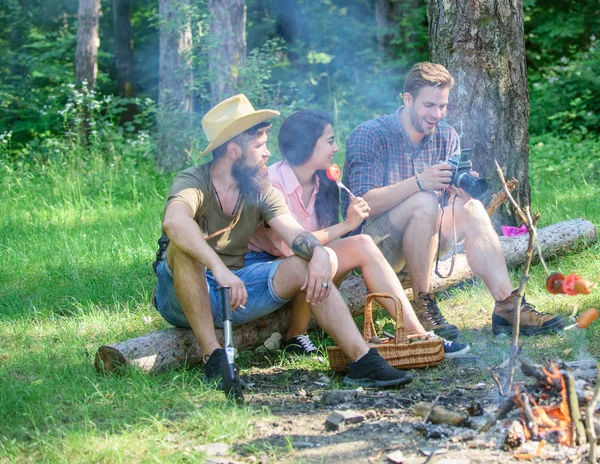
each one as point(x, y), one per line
point(345, 188)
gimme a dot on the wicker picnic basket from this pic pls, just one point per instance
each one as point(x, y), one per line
point(401, 352)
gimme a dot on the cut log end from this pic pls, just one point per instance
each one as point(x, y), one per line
point(109, 360)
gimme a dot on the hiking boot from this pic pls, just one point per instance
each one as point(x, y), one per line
point(300, 344)
point(431, 318)
point(532, 322)
point(455, 349)
point(373, 371)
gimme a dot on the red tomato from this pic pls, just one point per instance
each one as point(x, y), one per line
point(571, 285)
point(333, 172)
point(554, 283)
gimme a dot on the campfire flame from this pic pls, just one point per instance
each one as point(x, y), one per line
point(547, 419)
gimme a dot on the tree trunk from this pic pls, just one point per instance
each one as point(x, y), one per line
point(383, 18)
point(124, 54)
point(291, 25)
point(228, 51)
point(482, 45)
point(175, 88)
point(175, 347)
point(86, 65)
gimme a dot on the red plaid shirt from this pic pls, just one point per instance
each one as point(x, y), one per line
point(379, 153)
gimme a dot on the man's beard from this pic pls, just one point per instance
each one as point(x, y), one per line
point(417, 124)
point(252, 179)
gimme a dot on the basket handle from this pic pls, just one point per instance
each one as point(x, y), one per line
point(369, 327)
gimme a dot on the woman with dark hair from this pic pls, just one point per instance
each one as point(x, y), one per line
point(307, 144)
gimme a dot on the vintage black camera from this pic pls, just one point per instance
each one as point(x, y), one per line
point(461, 167)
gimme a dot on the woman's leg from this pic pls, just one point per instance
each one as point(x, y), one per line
point(300, 317)
point(301, 314)
point(361, 251)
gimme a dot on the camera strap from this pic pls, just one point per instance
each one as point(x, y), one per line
point(439, 247)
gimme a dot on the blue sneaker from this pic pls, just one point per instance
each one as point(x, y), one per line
point(453, 349)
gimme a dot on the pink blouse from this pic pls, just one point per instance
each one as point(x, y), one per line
point(284, 179)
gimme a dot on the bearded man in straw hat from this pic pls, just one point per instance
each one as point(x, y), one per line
point(210, 214)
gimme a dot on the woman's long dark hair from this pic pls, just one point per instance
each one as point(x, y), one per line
point(297, 139)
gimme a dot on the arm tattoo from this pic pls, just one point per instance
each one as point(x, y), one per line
point(304, 245)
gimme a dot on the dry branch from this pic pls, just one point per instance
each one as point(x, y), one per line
point(578, 430)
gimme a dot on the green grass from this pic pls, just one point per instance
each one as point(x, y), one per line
point(77, 240)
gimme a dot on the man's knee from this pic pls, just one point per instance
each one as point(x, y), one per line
point(178, 259)
point(474, 212)
point(422, 205)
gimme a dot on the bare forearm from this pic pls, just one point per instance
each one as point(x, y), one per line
point(187, 236)
point(385, 198)
point(305, 244)
point(333, 232)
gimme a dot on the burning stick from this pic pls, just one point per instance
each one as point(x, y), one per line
point(530, 421)
point(334, 173)
point(577, 429)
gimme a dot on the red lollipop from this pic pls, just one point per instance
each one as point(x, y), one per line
point(334, 173)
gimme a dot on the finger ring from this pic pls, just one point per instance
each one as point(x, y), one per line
point(324, 285)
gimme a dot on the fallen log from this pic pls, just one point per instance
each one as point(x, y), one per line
point(174, 347)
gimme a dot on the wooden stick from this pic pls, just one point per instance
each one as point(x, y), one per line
point(515, 349)
point(577, 428)
point(430, 411)
point(530, 421)
point(589, 422)
point(499, 198)
point(531, 223)
point(507, 407)
point(497, 381)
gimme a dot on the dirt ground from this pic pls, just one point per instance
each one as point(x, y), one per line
point(389, 429)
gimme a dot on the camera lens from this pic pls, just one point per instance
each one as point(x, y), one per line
point(474, 186)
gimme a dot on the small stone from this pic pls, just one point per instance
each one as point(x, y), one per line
point(302, 444)
point(352, 417)
point(215, 449)
point(453, 461)
point(334, 422)
point(432, 451)
point(396, 456)
point(371, 414)
point(339, 396)
point(273, 343)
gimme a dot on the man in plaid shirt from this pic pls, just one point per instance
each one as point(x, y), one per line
point(397, 163)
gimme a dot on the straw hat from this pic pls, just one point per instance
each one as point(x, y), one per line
point(229, 118)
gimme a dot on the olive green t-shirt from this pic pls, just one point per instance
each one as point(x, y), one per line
point(193, 187)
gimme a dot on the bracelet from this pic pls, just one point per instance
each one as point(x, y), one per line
point(419, 183)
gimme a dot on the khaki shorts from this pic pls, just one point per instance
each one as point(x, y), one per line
point(389, 240)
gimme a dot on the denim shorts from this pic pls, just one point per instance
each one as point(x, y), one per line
point(257, 275)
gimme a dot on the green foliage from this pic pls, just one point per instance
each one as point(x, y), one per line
point(565, 178)
point(563, 59)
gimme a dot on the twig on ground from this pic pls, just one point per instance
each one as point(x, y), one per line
point(589, 422)
point(431, 410)
point(496, 380)
point(507, 407)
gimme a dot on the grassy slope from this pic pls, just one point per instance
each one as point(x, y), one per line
point(76, 250)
